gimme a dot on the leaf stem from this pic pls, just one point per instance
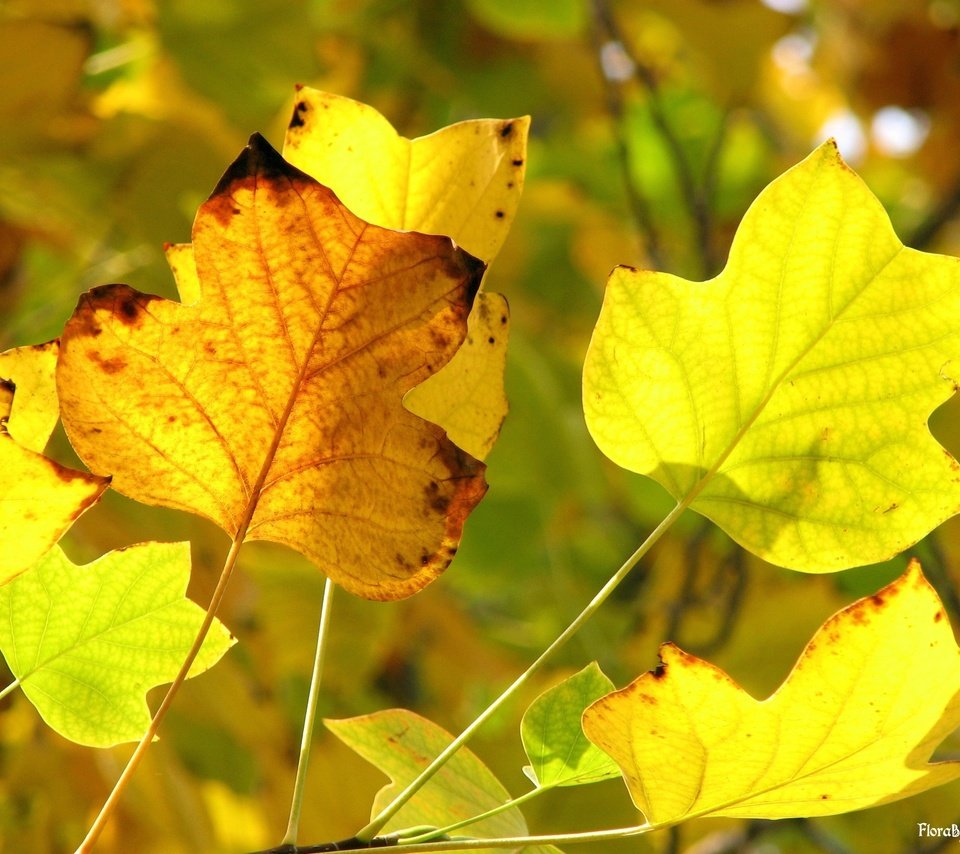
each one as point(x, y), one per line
point(134, 761)
point(9, 689)
point(434, 833)
point(309, 717)
point(377, 823)
point(467, 844)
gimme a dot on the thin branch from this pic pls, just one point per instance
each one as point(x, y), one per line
point(309, 717)
point(636, 201)
point(696, 199)
point(943, 213)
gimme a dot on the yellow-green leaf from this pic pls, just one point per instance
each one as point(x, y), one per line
point(854, 725)
point(39, 498)
point(272, 405)
point(464, 181)
point(787, 398)
point(87, 642)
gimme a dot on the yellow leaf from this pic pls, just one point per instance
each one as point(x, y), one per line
point(34, 409)
point(466, 398)
point(273, 404)
point(787, 399)
point(39, 498)
point(854, 725)
point(464, 181)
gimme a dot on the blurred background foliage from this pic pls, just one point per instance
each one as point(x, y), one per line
point(654, 126)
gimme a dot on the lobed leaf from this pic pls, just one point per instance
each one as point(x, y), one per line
point(39, 498)
point(787, 398)
point(464, 181)
point(272, 404)
point(854, 724)
point(559, 752)
point(87, 642)
point(401, 744)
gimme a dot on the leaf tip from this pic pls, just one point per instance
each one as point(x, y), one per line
point(258, 159)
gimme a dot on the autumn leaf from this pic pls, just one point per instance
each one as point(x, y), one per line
point(86, 643)
point(464, 181)
point(787, 398)
point(39, 498)
point(273, 404)
point(553, 738)
point(854, 725)
point(401, 744)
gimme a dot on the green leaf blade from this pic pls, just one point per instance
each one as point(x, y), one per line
point(86, 643)
point(787, 398)
point(559, 752)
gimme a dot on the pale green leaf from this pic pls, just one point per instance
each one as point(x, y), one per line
point(559, 752)
point(87, 642)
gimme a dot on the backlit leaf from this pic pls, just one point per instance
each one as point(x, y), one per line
point(854, 725)
point(559, 752)
point(39, 498)
point(464, 181)
point(401, 744)
point(787, 398)
point(273, 404)
point(87, 642)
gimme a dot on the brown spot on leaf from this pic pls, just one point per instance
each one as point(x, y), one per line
point(938, 616)
point(113, 365)
point(299, 111)
point(506, 129)
point(437, 500)
point(128, 310)
point(518, 162)
point(491, 340)
point(499, 214)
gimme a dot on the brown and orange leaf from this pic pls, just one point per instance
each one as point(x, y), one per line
point(39, 498)
point(854, 725)
point(272, 403)
point(463, 181)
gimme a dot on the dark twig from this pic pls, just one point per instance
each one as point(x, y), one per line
point(948, 208)
point(725, 588)
point(696, 199)
point(936, 572)
point(352, 844)
point(639, 209)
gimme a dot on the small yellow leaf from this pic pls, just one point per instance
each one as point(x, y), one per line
point(854, 725)
point(34, 408)
point(464, 181)
point(39, 498)
point(184, 268)
point(272, 404)
point(469, 390)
